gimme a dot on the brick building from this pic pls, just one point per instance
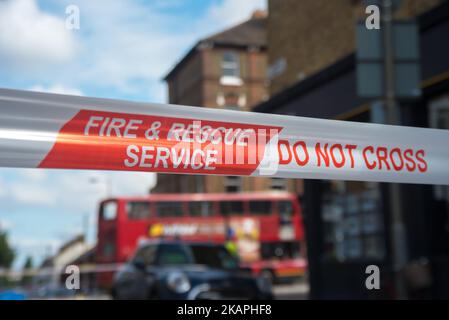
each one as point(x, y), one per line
point(226, 70)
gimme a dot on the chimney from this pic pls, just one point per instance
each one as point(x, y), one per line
point(259, 14)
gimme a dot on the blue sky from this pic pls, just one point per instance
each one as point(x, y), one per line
point(122, 50)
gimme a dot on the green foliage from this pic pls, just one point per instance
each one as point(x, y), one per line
point(28, 263)
point(6, 252)
point(6, 257)
point(27, 279)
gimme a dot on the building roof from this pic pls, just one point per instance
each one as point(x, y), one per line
point(49, 261)
point(250, 33)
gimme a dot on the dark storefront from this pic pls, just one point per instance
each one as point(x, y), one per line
point(348, 222)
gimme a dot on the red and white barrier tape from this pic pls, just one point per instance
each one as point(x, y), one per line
point(47, 271)
point(39, 130)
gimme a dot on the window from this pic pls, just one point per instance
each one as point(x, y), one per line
point(109, 210)
point(138, 210)
point(233, 184)
point(108, 249)
point(277, 68)
point(231, 208)
point(172, 254)
point(146, 255)
point(201, 208)
point(234, 100)
point(230, 65)
point(285, 209)
point(169, 209)
point(353, 221)
point(260, 207)
point(214, 256)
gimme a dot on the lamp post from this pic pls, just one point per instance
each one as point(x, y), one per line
point(398, 238)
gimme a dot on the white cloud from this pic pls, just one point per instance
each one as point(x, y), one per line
point(57, 88)
point(3, 186)
point(36, 247)
point(30, 194)
point(34, 175)
point(30, 39)
point(122, 46)
point(72, 191)
point(126, 45)
point(32, 243)
point(6, 224)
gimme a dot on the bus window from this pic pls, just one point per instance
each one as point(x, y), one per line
point(201, 208)
point(109, 249)
point(109, 211)
point(169, 209)
point(285, 212)
point(260, 207)
point(231, 208)
point(138, 210)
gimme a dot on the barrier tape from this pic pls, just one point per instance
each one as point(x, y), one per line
point(48, 271)
point(39, 130)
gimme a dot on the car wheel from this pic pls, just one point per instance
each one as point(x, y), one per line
point(114, 294)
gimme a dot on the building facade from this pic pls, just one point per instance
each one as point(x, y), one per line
point(304, 37)
point(228, 71)
point(348, 224)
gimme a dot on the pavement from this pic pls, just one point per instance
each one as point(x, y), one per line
point(294, 291)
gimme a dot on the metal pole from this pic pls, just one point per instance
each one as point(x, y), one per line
point(86, 227)
point(398, 237)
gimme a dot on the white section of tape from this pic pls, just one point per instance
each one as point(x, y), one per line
point(47, 271)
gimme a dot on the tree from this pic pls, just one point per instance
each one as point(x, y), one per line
point(26, 279)
point(6, 257)
point(6, 252)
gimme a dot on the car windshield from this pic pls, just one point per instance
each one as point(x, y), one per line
point(213, 256)
point(173, 254)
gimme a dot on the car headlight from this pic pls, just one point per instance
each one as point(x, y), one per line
point(178, 282)
point(264, 284)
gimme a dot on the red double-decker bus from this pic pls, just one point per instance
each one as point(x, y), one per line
point(264, 229)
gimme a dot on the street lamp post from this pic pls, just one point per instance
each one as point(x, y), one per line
point(398, 239)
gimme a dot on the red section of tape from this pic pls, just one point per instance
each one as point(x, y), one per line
point(118, 141)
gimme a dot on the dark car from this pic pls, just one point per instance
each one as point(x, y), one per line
point(178, 270)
